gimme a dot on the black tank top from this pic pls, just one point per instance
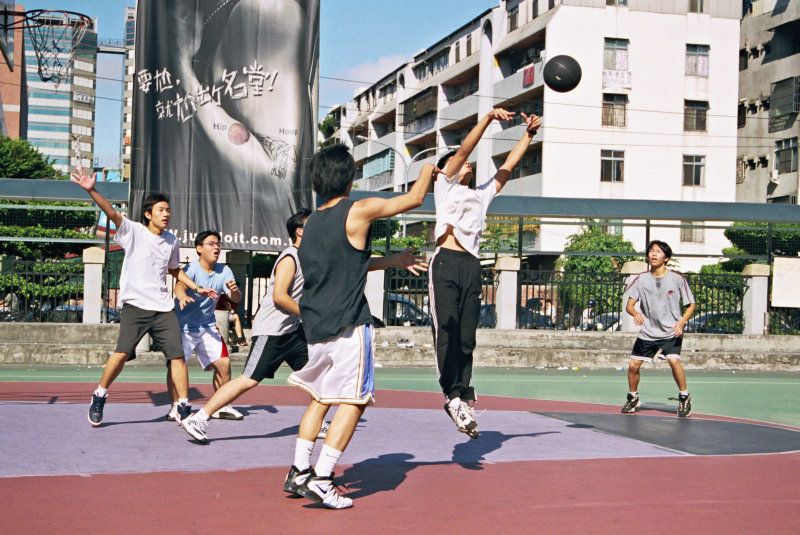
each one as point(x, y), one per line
point(335, 275)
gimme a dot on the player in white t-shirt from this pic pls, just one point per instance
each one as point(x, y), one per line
point(198, 322)
point(150, 253)
point(455, 272)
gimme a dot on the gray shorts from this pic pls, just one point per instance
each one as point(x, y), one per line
point(135, 322)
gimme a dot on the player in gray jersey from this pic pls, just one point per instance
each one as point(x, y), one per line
point(277, 333)
point(659, 293)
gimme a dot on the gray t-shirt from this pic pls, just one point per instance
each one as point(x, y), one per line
point(660, 301)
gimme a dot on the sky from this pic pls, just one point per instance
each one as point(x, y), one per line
point(360, 41)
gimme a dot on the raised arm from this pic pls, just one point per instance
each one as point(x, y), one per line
point(532, 123)
point(472, 139)
point(87, 182)
point(405, 259)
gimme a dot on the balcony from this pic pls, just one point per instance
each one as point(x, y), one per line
point(459, 111)
point(505, 140)
point(519, 82)
point(420, 127)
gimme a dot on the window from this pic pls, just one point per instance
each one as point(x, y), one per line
point(691, 232)
point(535, 9)
point(612, 164)
point(612, 226)
point(694, 170)
point(82, 114)
point(615, 55)
point(786, 155)
point(82, 130)
point(458, 51)
point(785, 97)
point(616, 2)
point(694, 115)
point(469, 44)
point(743, 57)
point(697, 60)
point(615, 108)
point(697, 6)
point(513, 18)
point(741, 119)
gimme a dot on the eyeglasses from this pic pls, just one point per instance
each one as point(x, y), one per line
point(212, 244)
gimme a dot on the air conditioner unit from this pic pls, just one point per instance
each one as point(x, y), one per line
point(773, 176)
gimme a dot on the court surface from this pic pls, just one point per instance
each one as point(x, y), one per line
point(539, 466)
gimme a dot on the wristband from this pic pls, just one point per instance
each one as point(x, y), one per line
point(197, 288)
point(531, 131)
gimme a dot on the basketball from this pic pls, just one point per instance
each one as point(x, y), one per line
point(238, 134)
point(562, 73)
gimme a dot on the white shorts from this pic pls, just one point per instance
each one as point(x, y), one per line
point(340, 370)
point(207, 345)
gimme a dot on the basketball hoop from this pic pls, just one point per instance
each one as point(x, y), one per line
point(55, 36)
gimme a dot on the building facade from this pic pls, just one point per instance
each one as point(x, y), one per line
point(769, 102)
point(13, 95)
point(652, 118)
point(127, 95)
point(61, 118)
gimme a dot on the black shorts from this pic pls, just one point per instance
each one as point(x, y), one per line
point(268, 352)
point(647, 349)
point(135, 322)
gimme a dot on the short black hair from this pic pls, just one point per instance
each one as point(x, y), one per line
point(205, 234)
point(149, 202)
point(332, 171)
point(296, 221)
point(443, 160)
point(662, 245)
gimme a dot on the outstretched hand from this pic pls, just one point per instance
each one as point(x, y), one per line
point(85, 181)
point(413, 263)
point(207, 292)
point(183, 301)
point(532, 121)
point(499, 114)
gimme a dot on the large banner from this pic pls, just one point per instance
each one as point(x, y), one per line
point(224, 115)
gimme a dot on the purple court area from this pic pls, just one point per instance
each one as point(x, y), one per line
point(58, 440)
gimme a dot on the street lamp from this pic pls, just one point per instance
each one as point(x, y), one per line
point(432, 149)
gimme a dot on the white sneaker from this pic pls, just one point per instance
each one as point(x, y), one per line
point(323, 431)
point(322, 490)
point(464, 417)
point(196, 428)
point(228, 413)
point(172, 416)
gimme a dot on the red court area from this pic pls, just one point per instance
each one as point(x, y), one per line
point(520, 480)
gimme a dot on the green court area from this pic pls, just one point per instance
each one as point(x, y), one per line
point(763, 396)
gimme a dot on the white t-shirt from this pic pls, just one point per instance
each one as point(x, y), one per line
point(463, 209)
point(143, 280)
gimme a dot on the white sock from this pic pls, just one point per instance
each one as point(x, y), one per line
point(684, 392)
point(100, 391)
point(183, 401)
point(201, 415)
point(302, 453)
point(455, 402)
point(635, 394)
point(176, 403)
point(327, 461)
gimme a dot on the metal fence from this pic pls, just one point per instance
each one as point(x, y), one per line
point(34, 291)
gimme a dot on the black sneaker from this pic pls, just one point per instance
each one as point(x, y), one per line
point(184, 411)
point(684, 405)
point(632, 404)
point(96, 410)
point(294, 479)
point(323, 490)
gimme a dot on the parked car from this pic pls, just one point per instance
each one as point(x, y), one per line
point(404, 311)
point(528, 319)
point(715, 322)
point(488, 317)
point(607, 321)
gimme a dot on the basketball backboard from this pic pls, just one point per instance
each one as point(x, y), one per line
point(6, 32)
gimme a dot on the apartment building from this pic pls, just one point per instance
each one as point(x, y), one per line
point(127, 95)
point(769, 102)
point(61, 119)
point(653, 116)
point(13, 97)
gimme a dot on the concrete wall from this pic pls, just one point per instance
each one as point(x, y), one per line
point(27, 343)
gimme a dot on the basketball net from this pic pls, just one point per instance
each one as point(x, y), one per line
point(55, 36)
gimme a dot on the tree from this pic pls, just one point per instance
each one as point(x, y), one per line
point(328, 126)
point(594, 277)
point(20, 159)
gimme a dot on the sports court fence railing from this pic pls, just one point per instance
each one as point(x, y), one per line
point(38, 291)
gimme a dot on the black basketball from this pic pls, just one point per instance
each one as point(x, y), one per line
point(562, 73)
